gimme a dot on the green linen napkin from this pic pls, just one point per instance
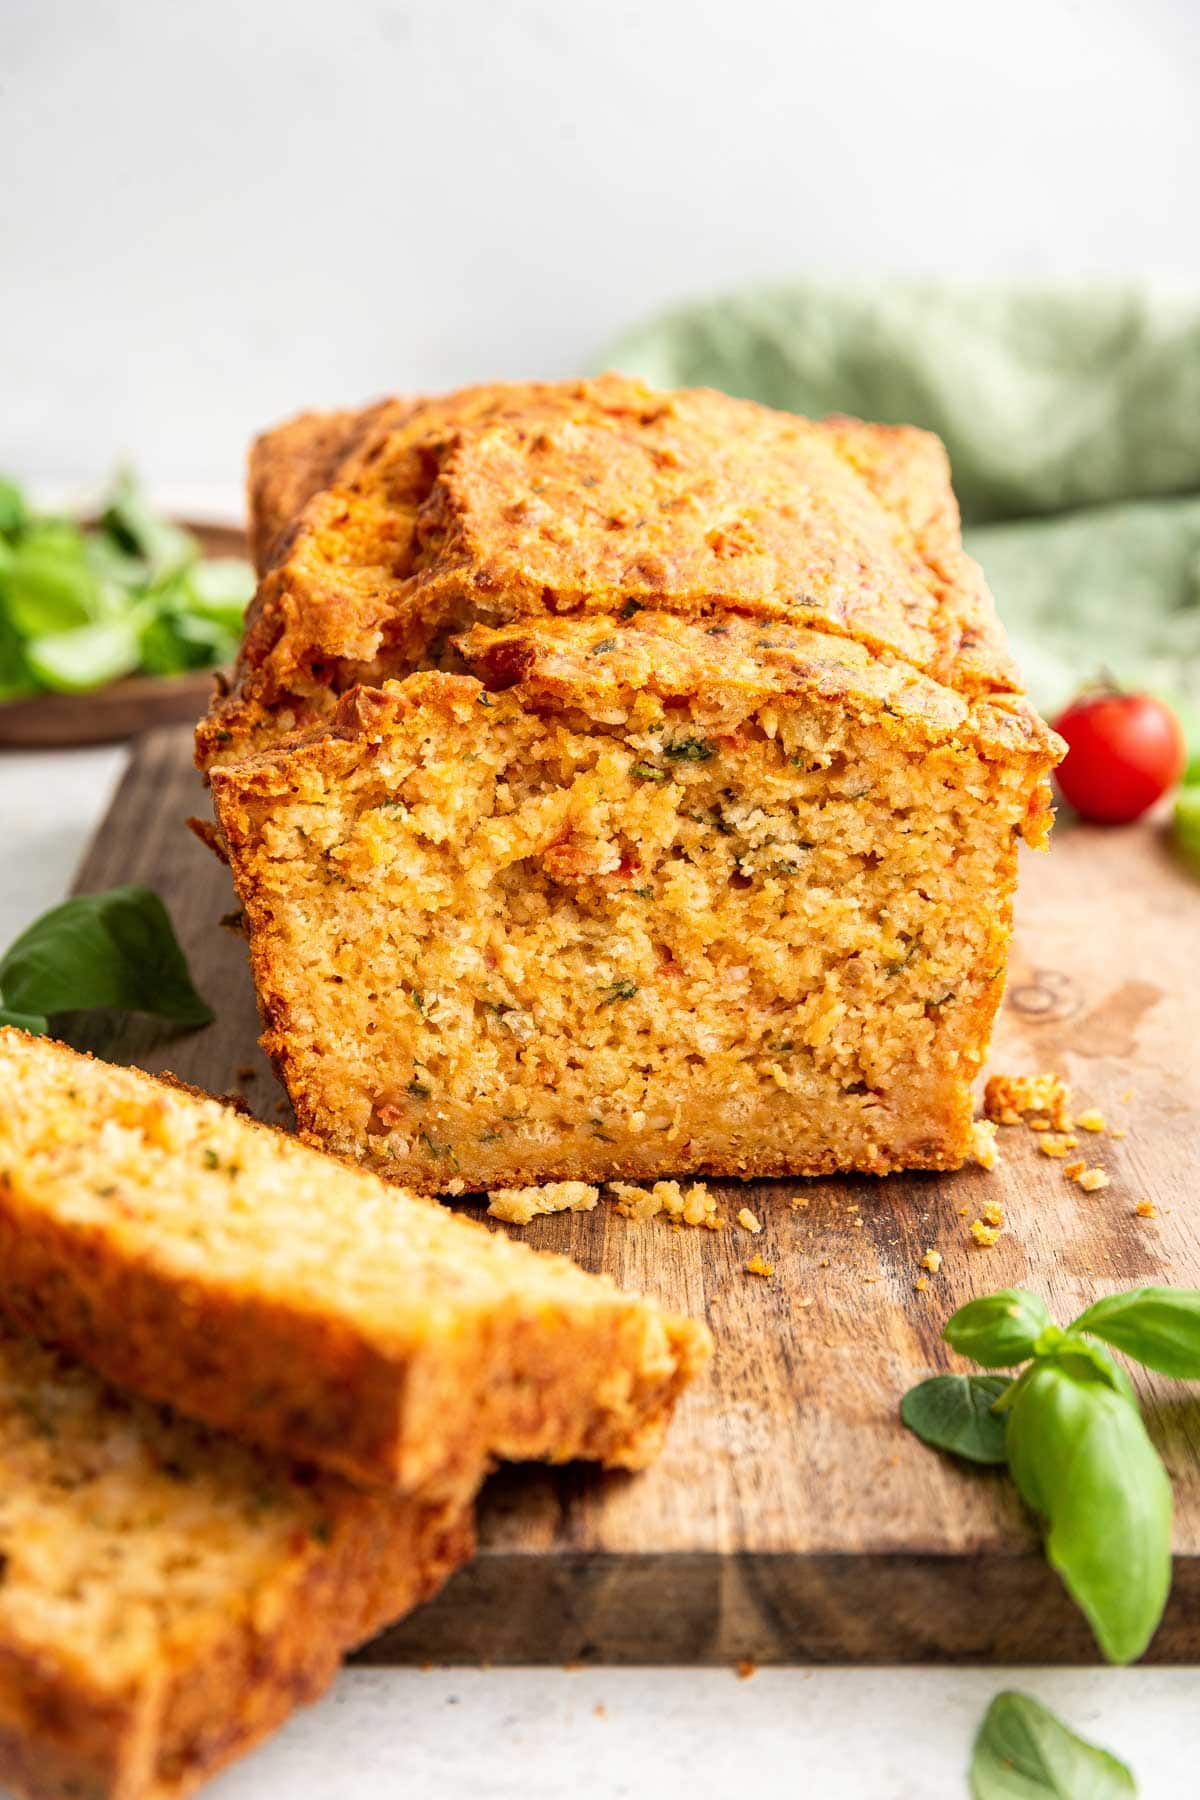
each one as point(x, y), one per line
point(1072, 419)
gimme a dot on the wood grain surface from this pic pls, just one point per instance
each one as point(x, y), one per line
point(791, 1517)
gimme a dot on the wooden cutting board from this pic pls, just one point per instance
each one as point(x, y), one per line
point(791, 1517)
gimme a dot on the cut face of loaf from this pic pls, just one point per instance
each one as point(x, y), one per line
point(168, 1595)
point(205, 1260)
point(653, 895)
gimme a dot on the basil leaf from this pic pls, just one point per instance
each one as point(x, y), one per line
point(1097, 1358)
point(1157, 1326)
point(1023, 1752)
point(33, 1023)
point(114, 566)
point(14, 514)
point(71, 662)
point(1187, 822)
point(1080, 1456)
point(16, 678)
point(48, 588)
point(177, 640)
point(1000, 1329)
point(140, 532)
point(163, 647)
point(954, 1412)
point(113, 949)
point(221, 589)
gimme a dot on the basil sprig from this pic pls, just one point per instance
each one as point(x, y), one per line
point(1070, 1429)
point(1023, 1752)
point(116, 949)
point(83, 607)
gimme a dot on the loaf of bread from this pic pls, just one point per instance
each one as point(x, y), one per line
point(205, 1260)
point(622, 783)
point(168, 1596)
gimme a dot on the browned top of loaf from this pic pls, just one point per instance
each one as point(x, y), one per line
point(380, 531)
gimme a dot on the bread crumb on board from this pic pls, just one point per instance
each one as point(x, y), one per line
point(518, 1206)
point(983, 1143)
point(1007, 1098)
point(1091, 1120)
point(1092, 1180)
point(1146, 1209)
point(932, 1260)
point(756, 1266)
point(1056, 1143)
point(985, 1235)
point(686, 1206)
point(747, 1220)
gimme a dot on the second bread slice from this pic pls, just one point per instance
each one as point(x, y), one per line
point(205, 1260)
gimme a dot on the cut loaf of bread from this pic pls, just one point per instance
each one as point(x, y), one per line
point(211, 1262)
point(167, 1595)
point(621, 783)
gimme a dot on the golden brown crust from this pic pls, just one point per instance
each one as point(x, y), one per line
point(473, 1347)
point(292, 462)
point(523, 501)
point(217, 1672)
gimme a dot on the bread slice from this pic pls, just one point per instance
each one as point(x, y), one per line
point(168, 1595)
point(206, 1260)
point(727, 899)
point(380, 536)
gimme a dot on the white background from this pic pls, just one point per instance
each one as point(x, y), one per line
point(212, 215)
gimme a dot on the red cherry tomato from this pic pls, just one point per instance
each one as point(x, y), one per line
point(1124, 752)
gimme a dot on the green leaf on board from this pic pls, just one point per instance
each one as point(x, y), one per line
point(998, 1330)
point(1157, 1326)
point(954, 1412)
point(1080, 1456)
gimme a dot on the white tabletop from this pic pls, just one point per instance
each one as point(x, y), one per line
point(536, 1734)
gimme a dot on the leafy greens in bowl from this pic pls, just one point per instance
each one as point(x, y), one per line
point(83, 606)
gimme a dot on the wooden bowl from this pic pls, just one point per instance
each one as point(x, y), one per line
point(124, 708)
